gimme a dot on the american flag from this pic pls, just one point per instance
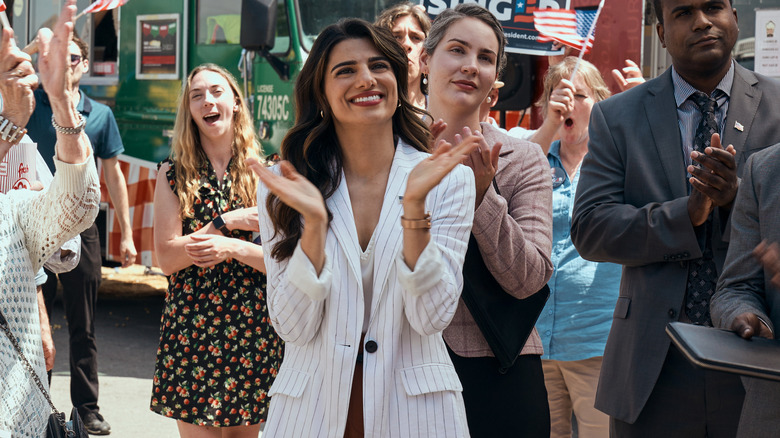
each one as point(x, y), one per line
point(566, 26)
point(103, 5)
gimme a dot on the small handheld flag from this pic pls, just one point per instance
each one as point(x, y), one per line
point(101, 5)
point(577, 33)
point(566, 26)
point(2, 6)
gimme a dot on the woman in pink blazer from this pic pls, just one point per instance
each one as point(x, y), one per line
point(464, 54)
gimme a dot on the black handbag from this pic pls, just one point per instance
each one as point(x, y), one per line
point(506, 322)
point(57, 427)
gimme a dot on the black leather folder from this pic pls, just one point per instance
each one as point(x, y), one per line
point(724, 350)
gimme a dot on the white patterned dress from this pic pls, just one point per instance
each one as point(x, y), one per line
point(33, 225)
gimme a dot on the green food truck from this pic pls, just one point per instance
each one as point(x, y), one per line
point(141, 52)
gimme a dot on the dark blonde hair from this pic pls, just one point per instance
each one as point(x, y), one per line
point(187, 152)
point(312, 146)
point(590, 74)
point(389, 16)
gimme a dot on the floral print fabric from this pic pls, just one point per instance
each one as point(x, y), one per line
point(218, 352)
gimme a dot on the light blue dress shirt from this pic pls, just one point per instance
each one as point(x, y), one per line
point(575, 322)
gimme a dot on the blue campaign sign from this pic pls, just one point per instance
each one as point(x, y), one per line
point(516, 16)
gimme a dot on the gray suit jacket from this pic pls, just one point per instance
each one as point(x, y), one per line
point(745, 287)
point(631, 209)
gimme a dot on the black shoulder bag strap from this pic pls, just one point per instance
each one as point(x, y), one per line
point(505, 321)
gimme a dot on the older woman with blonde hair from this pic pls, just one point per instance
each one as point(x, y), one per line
point(218, 353)
point(576, 319)
point(409, 24)
point(34, 225)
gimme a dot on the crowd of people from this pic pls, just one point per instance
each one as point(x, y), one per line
point(321, 295)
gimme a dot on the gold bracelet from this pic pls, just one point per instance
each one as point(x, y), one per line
point(10, 132)
point(417, 224)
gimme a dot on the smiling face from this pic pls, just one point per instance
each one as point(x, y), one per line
point(212, 104)
point(360, 85)
point(699, 35)
point(463, 66)
point(409, 34)
point(575, 128)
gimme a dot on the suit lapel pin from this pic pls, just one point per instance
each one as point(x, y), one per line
point(401, 200)
point(738, 126)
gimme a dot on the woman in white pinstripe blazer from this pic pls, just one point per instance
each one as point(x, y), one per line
point(359, 292)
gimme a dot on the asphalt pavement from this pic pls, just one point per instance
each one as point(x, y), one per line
point(127, 330)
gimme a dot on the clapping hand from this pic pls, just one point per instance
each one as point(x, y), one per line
point(429, 172)
point(716, 177)
point(292, 188)
point(483, 161)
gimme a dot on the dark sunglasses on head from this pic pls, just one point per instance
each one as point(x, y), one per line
point(75, 59)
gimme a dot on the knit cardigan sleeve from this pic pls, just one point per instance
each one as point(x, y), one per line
point(51, 217)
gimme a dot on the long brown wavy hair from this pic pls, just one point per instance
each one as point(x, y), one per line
point(187, 152)
point(312, 146)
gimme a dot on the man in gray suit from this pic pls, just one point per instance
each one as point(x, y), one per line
point(748, 295)
point(655, 196)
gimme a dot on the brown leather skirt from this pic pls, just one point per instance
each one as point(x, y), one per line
point(355, 414)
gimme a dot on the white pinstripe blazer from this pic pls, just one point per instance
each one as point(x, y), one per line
point(410, 388)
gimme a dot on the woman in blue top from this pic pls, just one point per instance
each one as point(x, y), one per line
point(576, 320)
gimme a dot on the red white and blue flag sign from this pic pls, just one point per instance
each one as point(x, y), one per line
point(103, 5)
point(516, 17)
point(2, 6)
point(566, 26)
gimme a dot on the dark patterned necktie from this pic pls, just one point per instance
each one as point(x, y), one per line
point(709, 121)
point(702, 273)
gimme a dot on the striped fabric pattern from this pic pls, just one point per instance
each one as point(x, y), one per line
point(17, 169)
point(410, 388)
point(103, 5)
point(140, 176)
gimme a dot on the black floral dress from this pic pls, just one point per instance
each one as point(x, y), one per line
point(218, 352)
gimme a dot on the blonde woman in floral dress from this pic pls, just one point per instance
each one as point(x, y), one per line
point(218, 353)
